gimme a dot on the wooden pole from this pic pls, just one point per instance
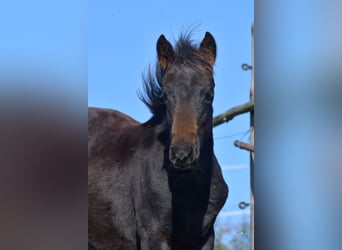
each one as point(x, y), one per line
point(243, 145)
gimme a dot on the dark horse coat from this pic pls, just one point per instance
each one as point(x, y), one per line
point(158, 185)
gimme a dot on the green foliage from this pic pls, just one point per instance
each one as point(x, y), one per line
point(219, 244)
point(233, 237)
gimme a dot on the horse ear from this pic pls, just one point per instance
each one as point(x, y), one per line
point(165, 52)
point(208, 47)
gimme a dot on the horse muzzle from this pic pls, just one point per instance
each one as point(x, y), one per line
point(182, 156)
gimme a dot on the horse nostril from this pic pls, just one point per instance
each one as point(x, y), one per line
point(188, 151)
point(181, 153)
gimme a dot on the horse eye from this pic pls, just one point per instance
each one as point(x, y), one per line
point(208, 98)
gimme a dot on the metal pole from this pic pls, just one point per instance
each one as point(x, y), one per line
point(252, 152)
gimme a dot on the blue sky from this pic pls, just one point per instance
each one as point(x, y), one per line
point(300, 41)
point(299, 51)
point(122, 44)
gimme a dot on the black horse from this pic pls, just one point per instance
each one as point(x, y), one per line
point(158, 185)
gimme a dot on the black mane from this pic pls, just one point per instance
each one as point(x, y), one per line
point(186, 53)
point(152, 94)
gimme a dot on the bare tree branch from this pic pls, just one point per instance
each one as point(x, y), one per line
point(232, 112)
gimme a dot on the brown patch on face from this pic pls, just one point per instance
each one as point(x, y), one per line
point(184, 127)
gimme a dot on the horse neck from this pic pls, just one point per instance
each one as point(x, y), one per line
point(207, 145)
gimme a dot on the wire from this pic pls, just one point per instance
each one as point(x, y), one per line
point(248, 131)
point(232, 135)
